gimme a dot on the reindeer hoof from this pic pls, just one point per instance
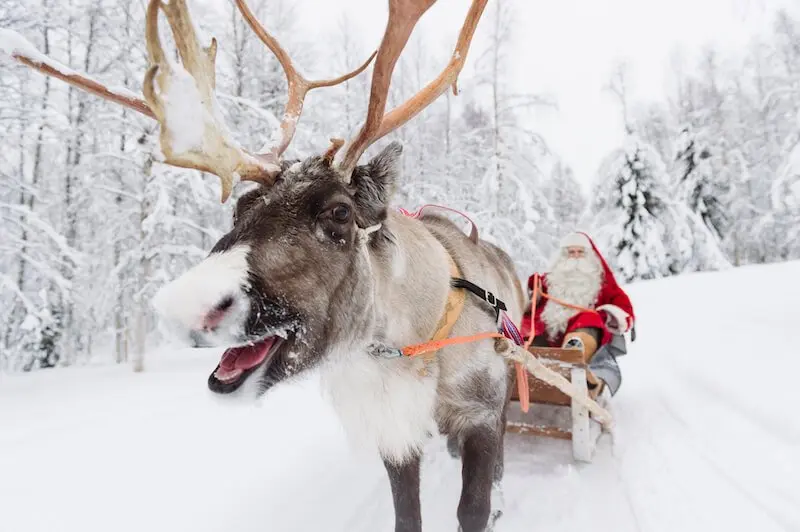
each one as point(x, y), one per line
point(495, 515)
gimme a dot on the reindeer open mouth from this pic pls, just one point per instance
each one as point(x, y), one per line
point(238, 363)
point(261, 349)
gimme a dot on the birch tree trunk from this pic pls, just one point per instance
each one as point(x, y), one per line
point(145, 266)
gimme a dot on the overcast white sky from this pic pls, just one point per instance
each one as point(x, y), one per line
point(568, 48)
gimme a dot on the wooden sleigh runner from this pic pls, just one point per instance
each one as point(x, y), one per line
point(558, 380)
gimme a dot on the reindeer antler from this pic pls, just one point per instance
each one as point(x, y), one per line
point(193, 134)
point(21, 50)
point(403, 16)
point(182, 97)
point(297, 84)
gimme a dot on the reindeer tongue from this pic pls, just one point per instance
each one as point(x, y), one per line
point(237, 360)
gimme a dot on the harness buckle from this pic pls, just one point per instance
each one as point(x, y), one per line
point(380, 350)
point(491, 299)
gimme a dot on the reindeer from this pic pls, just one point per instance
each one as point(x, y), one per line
point(319, 272)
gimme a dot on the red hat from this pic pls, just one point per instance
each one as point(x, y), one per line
point(581, 239)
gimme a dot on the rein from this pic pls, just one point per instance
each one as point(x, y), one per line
point(522, 375)
point(441, 339)
point(506, 327)
point(537, 291)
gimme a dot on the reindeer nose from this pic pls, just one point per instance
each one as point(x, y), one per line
point(215, 316)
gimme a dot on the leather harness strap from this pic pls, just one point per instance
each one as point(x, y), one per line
point(496, 304)
point(452, 308)
point(452, 311)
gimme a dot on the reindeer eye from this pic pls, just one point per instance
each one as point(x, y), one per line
point(341, 214)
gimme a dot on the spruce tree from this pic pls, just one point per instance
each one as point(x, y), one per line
point(696, 184)
point(629, 200)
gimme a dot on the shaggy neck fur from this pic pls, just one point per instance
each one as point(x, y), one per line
point(576, 281)
point(386, 402)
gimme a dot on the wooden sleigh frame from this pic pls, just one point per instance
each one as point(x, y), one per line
point(585, 429)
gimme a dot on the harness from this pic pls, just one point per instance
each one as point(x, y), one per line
point(517, 352)
point(453, 307)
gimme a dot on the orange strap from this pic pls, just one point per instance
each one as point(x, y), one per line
point(522, 374)
point(435, 345)
point(429, 347)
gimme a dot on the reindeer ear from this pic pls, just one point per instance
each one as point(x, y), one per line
point(375, 183)
point(247, 200)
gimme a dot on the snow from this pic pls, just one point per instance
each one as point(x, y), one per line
point(795, 188)
point(12, 43)
point(183, 110)
point(794, 158)
point(29, 323)
point(706, 438)
point(124, 91)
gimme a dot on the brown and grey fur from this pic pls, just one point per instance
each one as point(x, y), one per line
point(342, 291)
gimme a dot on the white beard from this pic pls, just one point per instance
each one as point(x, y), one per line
point(576, 281)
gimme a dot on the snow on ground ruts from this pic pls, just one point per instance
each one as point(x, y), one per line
point(705, 439)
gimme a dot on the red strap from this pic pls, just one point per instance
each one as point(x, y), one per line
point(473, 234)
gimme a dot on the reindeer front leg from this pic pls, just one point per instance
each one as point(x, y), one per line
point(479, 455)
point(404, 479)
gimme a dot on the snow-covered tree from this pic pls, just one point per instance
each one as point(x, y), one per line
point(647, 231)
point(565, 196)
point(696, 185)
point(786, 197)
point(628, 205)
point(92, 225)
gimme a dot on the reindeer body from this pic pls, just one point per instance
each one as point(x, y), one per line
point(387, 401)
point(316, 269)
point(334, 291)
point(463, 392)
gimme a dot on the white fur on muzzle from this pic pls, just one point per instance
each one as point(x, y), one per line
point(189, 299)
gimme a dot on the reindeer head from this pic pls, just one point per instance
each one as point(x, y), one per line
point(294, 277)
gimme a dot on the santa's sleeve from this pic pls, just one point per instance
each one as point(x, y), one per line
point(616, 303)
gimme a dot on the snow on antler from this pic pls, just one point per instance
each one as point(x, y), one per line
point(20, 49)
point(182, 96)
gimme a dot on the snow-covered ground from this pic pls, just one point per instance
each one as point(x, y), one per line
point(706, 439)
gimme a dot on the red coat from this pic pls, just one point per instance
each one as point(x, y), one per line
point(613, 298)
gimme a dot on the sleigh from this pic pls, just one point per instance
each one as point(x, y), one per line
point(585, 419)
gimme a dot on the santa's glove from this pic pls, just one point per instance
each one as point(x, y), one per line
point(617, 320)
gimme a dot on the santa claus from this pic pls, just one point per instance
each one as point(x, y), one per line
point(580, 276)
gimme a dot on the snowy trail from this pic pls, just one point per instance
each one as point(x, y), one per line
point(706, 439)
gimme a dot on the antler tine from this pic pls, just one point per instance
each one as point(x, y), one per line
point(22, 51)
point(298, 86)
point(403, 16)
point(448, 77)
point(377, 125)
